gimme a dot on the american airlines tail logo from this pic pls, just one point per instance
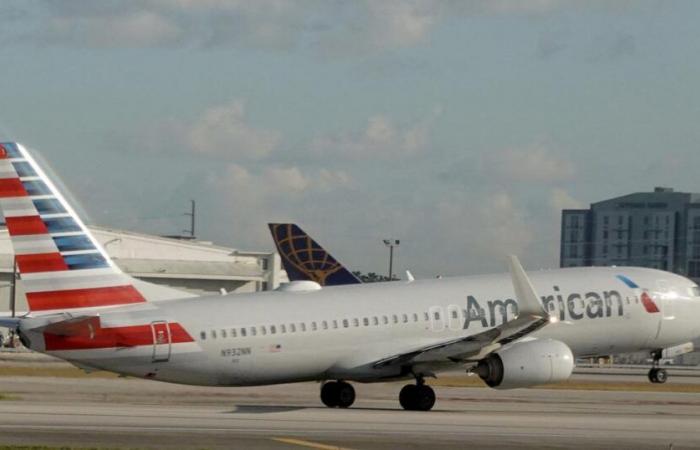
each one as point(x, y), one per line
point(647, 301)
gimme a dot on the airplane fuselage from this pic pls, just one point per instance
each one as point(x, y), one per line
point(339, 332)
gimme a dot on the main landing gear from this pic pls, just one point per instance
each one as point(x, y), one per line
point(656, 373)
point(417, 397)
point(337, 394)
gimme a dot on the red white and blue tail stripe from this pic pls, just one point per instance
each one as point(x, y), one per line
point(61, 264)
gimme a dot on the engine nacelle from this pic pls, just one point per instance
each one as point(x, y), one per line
point(528, 363)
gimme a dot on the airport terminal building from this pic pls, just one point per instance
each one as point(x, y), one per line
point(195, 266)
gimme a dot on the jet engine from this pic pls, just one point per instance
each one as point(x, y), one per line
point(527, 363)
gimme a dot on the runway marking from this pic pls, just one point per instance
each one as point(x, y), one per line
point(308, 444)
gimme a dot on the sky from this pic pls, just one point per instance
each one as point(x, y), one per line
point(461, 128)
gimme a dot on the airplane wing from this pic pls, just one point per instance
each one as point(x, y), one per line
point(531, 317)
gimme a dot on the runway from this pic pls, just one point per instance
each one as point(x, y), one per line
point(127, 413)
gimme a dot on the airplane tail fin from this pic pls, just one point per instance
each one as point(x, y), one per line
point(61, 265)
point(304, 259)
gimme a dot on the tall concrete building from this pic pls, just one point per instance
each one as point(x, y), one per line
point(659, 229)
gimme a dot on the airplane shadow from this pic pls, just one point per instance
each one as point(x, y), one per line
point(267, 409)
point(264, 409)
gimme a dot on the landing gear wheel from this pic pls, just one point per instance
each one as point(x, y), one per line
point(329, 394)
point(657, 375)
point(417, 397)
point(337, 394)
point(407, 396)
point(346, 394)
point(425, 398)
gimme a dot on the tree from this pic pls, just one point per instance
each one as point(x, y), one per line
point(372, 277)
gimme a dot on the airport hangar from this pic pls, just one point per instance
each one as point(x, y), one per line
point(199, 267)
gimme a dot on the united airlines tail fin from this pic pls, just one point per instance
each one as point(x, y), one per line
point(304, 259)
point(61, 265)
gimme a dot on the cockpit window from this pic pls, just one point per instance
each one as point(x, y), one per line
point(695, 291)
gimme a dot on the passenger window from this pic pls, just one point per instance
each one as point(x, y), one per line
point(385, 320)
point(223, 334)
point(436, 314)
point(345, 323)
point(395, 318)
point(426, 316)
point(263, 330)
point(203, 335)
point(273, 329)
point(302, 326)
point(324, 325)
point(375, 321)
point(454, 314)
point(283, 328)
point(355, 322)
point(243, 332)
point(405, 318)
point(335, 324)
point(292, 328)
point(253, 331)
point(233, 332)
point(415, 317)
point(365, 322)
point(313, 326)
point(213, 334)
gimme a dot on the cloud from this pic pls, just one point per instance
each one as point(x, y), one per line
point(335, 28)
point(381, 138)
point(224, 130)
point(533, 164)
point(560, 199)
point(221, 131)
point(612, 47)
point(246, 199)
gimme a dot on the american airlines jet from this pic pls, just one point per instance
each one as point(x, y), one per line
point(513, 330)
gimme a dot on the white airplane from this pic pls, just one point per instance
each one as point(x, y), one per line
point(516, 330)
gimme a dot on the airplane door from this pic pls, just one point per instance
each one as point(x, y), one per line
point(161, 341)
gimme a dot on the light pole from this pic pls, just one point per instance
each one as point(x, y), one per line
point(391, 243)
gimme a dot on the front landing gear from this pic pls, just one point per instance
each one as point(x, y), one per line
point(337, 394)
point(657, 374)
point(417, 397)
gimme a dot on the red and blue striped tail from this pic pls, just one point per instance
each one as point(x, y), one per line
point(62, 266)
